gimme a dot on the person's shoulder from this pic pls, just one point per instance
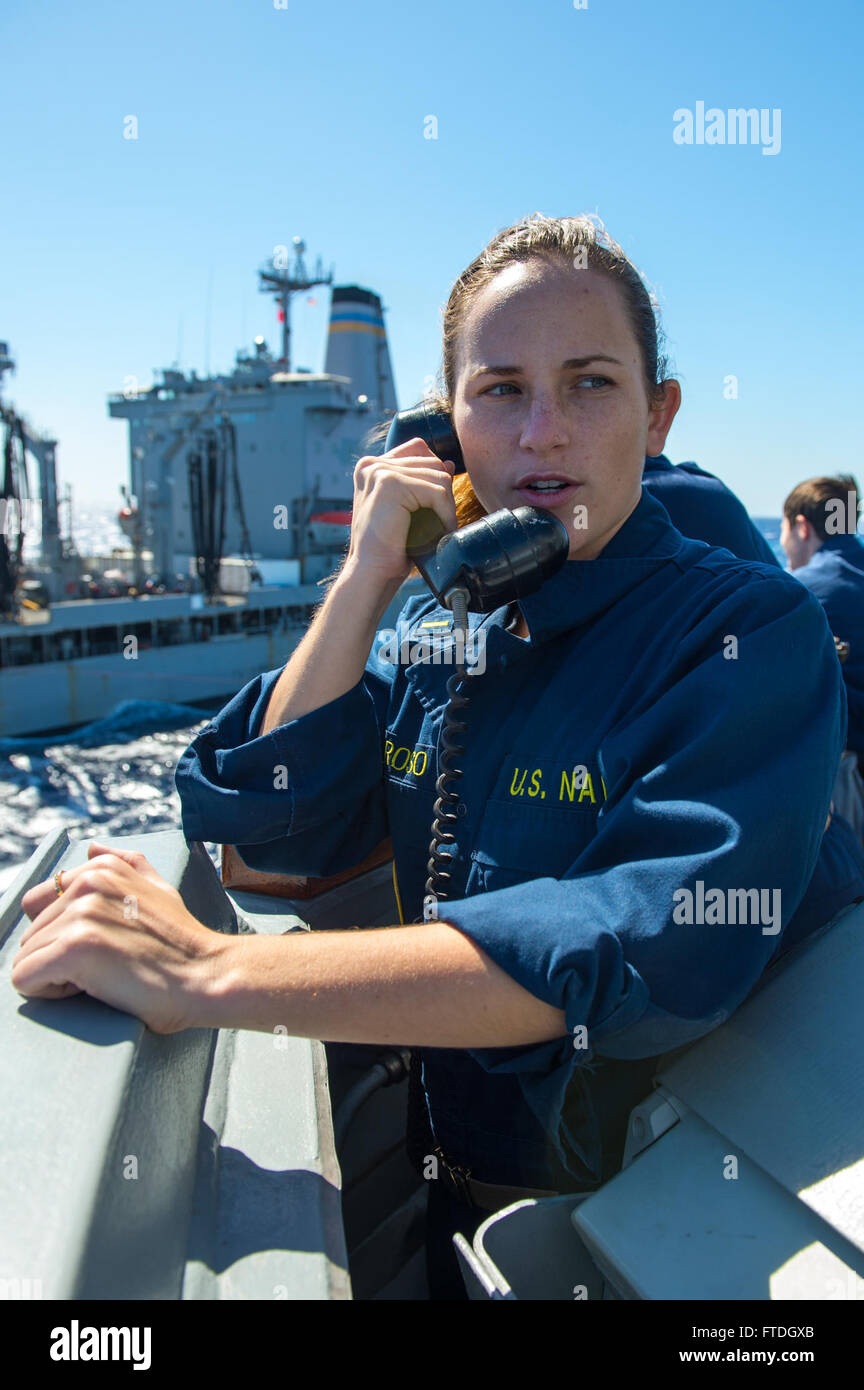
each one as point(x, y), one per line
point(688, 473)
point(701, 505)
point(813, 573)
point(696, 554)
point(695, 470)
point(829, 571)
point(728, 575)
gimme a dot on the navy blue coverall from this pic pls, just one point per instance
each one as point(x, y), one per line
point(671, 727)
point(835, 575)
point(702, 506)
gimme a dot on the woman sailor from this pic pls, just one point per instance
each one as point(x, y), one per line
point(657, 716)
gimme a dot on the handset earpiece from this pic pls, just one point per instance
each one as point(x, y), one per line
point(435, 426)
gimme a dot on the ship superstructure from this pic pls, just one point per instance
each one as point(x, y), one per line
point(283, 442)
point(238, 504)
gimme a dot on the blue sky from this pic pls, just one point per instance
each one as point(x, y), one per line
point(257, 124)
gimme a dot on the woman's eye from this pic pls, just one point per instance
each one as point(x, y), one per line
point(603, 380)
point(595, 383)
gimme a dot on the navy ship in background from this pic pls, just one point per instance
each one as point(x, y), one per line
point(238, 503)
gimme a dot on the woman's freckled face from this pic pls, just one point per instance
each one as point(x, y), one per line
point(588, 421)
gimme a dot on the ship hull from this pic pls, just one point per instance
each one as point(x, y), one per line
point(38, 697)
point(62, 694)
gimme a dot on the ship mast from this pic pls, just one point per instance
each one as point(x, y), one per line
point(278, 279)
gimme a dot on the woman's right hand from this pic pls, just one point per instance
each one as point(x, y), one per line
point(388, 488)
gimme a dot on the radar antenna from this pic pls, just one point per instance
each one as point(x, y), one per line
point(278, 279)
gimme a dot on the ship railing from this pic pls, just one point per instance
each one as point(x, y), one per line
point(199, 1165)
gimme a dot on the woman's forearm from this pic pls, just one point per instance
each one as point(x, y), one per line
point(427, 985)
point(332, 654)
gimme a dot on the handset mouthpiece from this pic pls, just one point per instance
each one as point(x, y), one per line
point(500, 558)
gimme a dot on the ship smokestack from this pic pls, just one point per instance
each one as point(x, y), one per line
point(357, 345)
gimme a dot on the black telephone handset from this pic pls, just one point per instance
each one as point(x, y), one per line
point(491, 562)
point(500, 558)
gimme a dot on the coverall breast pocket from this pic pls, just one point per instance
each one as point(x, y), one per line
point(410, 811)
point(517, 842)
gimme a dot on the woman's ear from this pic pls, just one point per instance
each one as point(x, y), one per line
point(661, 415)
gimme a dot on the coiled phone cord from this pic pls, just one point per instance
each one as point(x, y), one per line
point(446, 805)
point(420, 1140)
point(490, 561)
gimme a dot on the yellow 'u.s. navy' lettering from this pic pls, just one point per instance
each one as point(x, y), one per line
point(577, 786)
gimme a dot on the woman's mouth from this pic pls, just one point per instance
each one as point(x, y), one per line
point(546, 492)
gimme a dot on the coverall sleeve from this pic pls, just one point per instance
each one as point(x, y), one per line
point(722, 774)
point(308, 797)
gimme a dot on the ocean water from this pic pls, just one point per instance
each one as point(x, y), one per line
point(114, 777)
point(122, 785)
point(770, 528)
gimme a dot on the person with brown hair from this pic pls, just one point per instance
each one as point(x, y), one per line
point(626, 754)
point(817, 511)
point(819, 535)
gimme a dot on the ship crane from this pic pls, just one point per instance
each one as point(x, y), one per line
point(154, 521)
point(211, 465)
point(13, 497)
point(18, 508)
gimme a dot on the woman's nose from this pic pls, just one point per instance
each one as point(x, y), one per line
point(544, 426)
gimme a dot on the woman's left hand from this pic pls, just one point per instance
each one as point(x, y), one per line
point(118, 932)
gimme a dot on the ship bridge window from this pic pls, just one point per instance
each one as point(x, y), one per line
point(63, 646)
point(18, 651)
point(104, 641)
point(168, 634)
point(143, 632)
